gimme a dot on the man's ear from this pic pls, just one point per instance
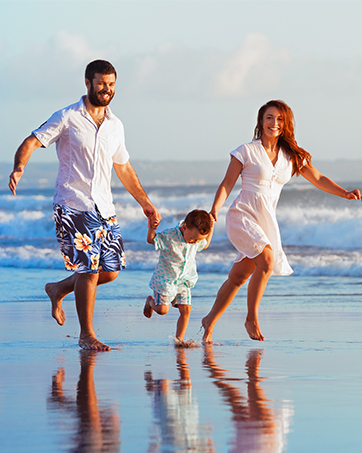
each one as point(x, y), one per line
point(87, 84)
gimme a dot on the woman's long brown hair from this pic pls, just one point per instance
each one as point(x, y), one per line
point(286, 140)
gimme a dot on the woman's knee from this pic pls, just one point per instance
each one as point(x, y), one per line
point(265, 262)
point(238, 278)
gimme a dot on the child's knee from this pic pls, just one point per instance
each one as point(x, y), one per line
point(161, 309)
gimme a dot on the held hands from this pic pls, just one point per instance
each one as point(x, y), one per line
point(154, 217)
point(213, 215)
point(14, 179)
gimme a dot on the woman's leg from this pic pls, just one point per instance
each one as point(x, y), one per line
point(264, 264)
point(238, 275)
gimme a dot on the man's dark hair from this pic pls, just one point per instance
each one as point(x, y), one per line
point(100, 67)
point(199, 219)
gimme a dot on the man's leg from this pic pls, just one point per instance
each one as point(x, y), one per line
point(58, 290)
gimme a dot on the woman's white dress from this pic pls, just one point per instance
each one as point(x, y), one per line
point(251, 221)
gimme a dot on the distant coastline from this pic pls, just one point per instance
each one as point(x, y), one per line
point(174, 173)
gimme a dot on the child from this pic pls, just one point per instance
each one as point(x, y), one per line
point(175, 273)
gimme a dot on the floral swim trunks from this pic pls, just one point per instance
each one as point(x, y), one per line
point(88, 242)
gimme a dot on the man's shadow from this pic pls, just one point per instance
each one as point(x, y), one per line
point(176, 425)
point(97, 424)
point(258, 428)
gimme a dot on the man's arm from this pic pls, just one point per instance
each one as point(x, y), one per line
point(21, 158)
point(129, 179)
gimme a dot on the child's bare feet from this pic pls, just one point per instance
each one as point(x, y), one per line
point(147, 310)
point(208, 330)
point(90, 342)
point(253, 329)
point(56, 300)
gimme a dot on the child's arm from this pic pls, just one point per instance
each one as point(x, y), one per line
point(151, 234)
point(209, 236)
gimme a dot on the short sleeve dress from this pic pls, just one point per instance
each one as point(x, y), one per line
point(251, 221)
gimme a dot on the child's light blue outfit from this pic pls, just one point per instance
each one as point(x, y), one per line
point(176, 267)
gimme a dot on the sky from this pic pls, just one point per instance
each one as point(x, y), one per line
point(191, 74)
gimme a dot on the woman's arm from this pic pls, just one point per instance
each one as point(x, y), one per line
point(327, 185)
point(226, 186)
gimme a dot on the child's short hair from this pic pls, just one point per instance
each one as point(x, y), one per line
point(199, 219)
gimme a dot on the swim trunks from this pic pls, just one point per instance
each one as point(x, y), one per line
point(88, 242)
point(183, 297)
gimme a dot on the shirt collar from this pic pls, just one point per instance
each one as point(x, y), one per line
point(83, 110)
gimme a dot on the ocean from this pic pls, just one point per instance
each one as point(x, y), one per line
point(321, 233)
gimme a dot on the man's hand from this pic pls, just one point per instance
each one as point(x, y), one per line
point(14, 179)
point(154, 217)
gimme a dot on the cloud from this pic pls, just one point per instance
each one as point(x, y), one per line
point(72, 45)
point(177, 73)
point(255, 68)
point(52, 69)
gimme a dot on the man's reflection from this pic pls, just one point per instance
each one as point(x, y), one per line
point(176, 413)
point(98, 424)
point(257, 427)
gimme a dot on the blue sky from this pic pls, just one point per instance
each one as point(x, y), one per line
point(191, 74)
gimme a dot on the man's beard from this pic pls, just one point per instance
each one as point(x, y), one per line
point(95, 99)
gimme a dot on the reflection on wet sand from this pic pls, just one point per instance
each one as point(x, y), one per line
point(96, 425)
point(176, 413)
point(258, 428)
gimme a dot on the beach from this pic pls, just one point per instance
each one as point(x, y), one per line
point(300, 390)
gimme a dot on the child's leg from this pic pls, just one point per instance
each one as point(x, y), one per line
point(183, 320)
point(161, 305)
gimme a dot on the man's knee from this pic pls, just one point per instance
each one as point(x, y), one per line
point(110, 276)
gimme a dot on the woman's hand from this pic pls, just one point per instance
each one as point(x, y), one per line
point(354, 195)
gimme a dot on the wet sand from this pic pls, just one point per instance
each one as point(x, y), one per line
point(299, 391)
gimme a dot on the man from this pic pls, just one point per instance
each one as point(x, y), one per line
point(89, 141)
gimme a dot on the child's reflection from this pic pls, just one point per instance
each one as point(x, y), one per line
point(257, 427)
point(176, 413)
point(98, 424)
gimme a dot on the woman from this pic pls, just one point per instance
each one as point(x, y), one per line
point(265, 164)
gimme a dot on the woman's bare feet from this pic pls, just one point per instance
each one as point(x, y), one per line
point(56, 300)
point(147, 310)
point(253, 329)
point(208, 330)
point(90, 342)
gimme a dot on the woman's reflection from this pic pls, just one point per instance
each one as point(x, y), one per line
point(98, 424)
point(258, 428)
point(176, 413)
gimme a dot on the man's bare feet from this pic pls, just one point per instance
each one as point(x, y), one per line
point(253, 329)
point(208, 330)
point(147, 310)
point(90, 342)
point(56, 300)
